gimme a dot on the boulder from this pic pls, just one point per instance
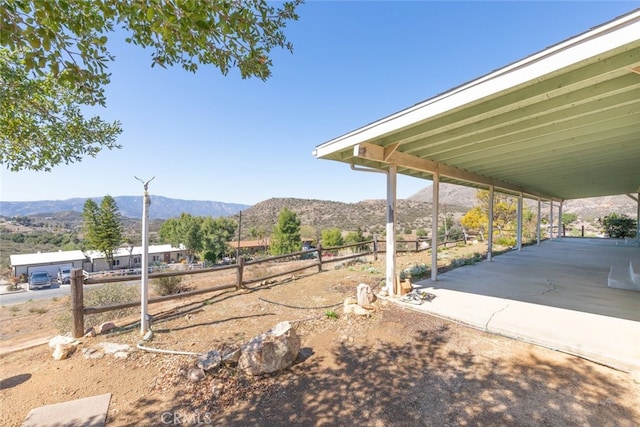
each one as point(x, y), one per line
point(272, 351)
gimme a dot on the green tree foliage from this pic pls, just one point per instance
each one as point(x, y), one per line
point(285, 237)
point(199, 234)
point(59, 50)
point(356, 237)
point(332, 237)
point(184, 230)
point(421, 232)
point(216, 235)
point(569, 217)
point(41, 123)
point(618, 226)
point(102, 226)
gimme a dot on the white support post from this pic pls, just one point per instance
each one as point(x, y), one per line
point(490, 231)
point(519, 224)
point(391, 230)
point(144, 286)
point(538, 225)
point(434, 226)
point(551, 219)
point(560, 229)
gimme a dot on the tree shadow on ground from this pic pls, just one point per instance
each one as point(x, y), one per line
point(434, 377)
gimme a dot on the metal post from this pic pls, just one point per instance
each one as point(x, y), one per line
point(144, 287)
point(539, 222)
point(391, 230)
point(519, 224)
point(551, 219)
point(560, 228)
point(490, 230)
point(434, 226)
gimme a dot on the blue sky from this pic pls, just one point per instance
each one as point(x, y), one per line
point(206, 136)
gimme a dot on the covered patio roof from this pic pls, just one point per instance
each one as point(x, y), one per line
point(563, 123)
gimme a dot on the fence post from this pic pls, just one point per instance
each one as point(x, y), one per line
point(582, 232)
point(239, 272)
point(466, 238)
point(375, 248)
point(319, 248)
point(77, 302)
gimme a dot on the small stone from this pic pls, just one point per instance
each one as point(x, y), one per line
point(106, 326)
point(196, 374)
point(209, 360)
point(91, 332)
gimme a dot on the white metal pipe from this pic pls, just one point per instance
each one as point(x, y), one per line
point(391, 230)
point(434, 226)
point(144, 288)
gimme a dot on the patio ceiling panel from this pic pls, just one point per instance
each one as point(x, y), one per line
point(561, 124)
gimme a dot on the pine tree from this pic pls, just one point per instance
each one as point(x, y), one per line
point(285, 238)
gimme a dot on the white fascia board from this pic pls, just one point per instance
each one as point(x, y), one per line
point(602, 39)
point(46, 258)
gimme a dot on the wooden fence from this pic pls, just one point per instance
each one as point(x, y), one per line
point(316, 257)
point(319, 257)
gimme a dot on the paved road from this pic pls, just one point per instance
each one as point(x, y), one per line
point(55, 291)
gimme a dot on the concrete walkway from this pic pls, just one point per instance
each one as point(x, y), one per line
point(554, 294)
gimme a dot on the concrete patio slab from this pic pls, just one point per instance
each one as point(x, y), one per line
point(87, 412)
point(554, 294)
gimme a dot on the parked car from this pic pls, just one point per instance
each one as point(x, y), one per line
point(39, 279)
point(64, 276)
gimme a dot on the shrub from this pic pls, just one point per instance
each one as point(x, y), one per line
point(167, 285)
point(415, 271)
point(618, 226)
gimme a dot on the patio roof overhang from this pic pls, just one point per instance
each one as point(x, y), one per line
point(561, 124)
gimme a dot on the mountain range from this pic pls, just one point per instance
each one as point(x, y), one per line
point(453, 199)
point(130, 207)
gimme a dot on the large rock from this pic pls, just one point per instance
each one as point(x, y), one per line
point(62, 346)
point(365, 295)
point(272, 351)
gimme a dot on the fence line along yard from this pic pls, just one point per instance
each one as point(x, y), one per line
point(318, 257)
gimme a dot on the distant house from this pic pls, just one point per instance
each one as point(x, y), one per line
point(132, 257)
point(50, 262)
point(92, 261)
point(248, 247)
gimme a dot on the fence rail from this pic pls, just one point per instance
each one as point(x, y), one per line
point(318, 257)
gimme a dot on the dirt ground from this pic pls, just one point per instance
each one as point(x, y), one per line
point(396, 367)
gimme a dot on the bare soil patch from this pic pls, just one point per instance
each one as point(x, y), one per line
point(396, 367)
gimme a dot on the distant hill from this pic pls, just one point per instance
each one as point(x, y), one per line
point(587, 209)
point(130, 206)
point(369, 215)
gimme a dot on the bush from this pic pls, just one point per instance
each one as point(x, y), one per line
point(167, 285)
point(618, 226)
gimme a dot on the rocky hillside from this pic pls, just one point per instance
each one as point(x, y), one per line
point(463, 198)
point(369, 215)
